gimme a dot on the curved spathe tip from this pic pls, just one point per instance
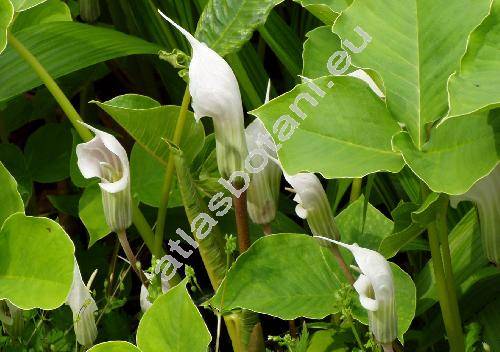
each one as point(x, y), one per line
point(191, 39)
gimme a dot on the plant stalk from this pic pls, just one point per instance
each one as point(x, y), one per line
point(52, 86)
point(267, 229)
point(122, 237)
point(241, 214)
point(452, 326)
point(169, 174)
point(442, 229)
point(138, 219)
point(355, 189)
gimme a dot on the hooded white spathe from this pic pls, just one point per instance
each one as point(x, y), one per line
point(486, 195)
point(312, 204)
point(105, 158)
point(83, 307)
point(375, 286)
point(263, 192)
point(215, 93)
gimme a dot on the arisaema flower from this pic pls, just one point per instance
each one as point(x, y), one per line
point(83, 307)
point(486, 195)
point(312, 204)
point(215, 93)
point(105, 158)
point(263, 191)
point(375, 286)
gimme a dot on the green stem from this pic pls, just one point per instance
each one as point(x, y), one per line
point(169, 174)
point(355, 189)
point(122, 237)
point(442, 228)
point(454, 336)
point(356, 335)
point(138, 219)
point(52, 86)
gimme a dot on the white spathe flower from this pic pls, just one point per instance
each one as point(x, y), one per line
point(83, 306)
point(215, 93)
point(143, 298)
point(104, 157)
point(312, 204)
point(375, 286)
point(263, 192)
point(486, 195)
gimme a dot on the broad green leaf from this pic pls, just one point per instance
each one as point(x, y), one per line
point(306, 289)
point(345, 133)
point(22, 5)
point(36, 265)
point(62, 48)
point(406, 300)
point(48, 152)
point(350, 222)
point(329, 341)
point(225, 25)
point(11, 200)
point(150, 124)
point(414, 46)
point(460, 151)
point(326, 10)
point(147, 175)
point(6, 16)
point(50, 11)
point(405, 230)
point(114, 346)
point(91, 213)
point(173, 324)
point(467, 258)
point(476, 85)
point(321, 43)
point(13, 159)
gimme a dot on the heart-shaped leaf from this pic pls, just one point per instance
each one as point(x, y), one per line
point(11, 199)
point(344, 130)
point(476, 85)
point(460, 151)
point(150, 124)
point(414, 46)
point(173, 323)
point(36, 265)
point(6, 15)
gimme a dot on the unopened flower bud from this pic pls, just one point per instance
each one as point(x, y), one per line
point(486, 195)
point(215, 93)
point(144, 300)
point(263, 192)
point(104, 157)
point(83, 306)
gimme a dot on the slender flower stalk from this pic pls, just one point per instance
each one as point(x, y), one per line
point(215, 93)
point(375, 286)
point(486, 195)
point(84, 308)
